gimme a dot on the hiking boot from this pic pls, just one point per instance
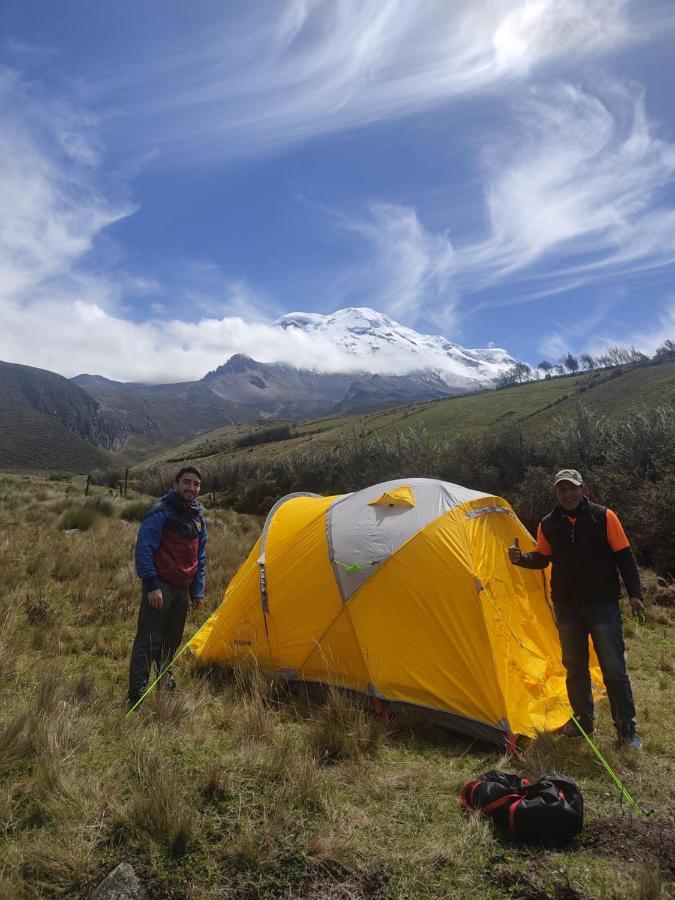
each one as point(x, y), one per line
point(627, 736)
point(571, 730)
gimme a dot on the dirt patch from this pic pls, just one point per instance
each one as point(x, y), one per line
point(333, 881)
point(633, 839)
point(528, 887)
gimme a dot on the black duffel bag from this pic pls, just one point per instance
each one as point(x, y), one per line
point(548, 811)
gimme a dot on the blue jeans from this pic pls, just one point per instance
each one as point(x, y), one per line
point(602, 621)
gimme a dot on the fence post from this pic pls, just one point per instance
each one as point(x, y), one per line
point(86, 487)
point(126, 481)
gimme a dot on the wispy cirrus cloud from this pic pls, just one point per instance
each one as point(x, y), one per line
point(408, 270)
point(584, 186)
point(53, 204)
point(578, 191)
point(272, 76)
point(661, 327)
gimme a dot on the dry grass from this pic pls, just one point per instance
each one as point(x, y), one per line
point(231, 788)
point(343, 730)
point(160, 812)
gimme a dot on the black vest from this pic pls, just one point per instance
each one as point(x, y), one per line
point(584, 565)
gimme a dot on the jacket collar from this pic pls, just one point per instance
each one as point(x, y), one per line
point(175, 500)
point(572, 513)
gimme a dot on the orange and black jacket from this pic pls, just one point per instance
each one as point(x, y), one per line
point(171, 545)
point(588, 549)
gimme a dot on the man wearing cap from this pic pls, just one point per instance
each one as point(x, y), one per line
point(588, 548)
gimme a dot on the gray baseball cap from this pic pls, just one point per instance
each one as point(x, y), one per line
point(568, 475)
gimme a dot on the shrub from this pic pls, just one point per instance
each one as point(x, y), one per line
point(102, 505)
point(134, 510)
point(265, 436)
point(627, 466)
point(81, 518)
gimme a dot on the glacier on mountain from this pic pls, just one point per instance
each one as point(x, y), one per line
point(376, 343)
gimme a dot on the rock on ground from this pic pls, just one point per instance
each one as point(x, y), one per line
point(120, 884)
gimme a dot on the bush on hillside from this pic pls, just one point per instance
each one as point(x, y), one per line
point(134, 511)
point(79, 517)
point(265, 436)
point(101, 505)
point(627, 467)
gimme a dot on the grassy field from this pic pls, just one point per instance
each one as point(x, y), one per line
point(230, 788)
point(613, 393)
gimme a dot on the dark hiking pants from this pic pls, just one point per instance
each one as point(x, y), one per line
point(158, 635)
point(602, 621)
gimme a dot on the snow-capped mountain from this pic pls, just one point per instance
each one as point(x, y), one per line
point(377, 343)
point(369, 362)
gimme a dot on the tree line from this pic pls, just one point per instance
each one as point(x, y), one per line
point(520, 373)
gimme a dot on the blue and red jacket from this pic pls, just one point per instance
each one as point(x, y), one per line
point(171, 545)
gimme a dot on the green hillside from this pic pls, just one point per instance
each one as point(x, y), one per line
point(33, 441)
point(46, 422)
point(612, 393)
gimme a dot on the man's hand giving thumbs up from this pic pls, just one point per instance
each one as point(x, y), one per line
point(514, 552)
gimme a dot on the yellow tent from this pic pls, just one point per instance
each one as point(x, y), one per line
point(403, 592)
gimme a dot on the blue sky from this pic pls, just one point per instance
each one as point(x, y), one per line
point(174, 176)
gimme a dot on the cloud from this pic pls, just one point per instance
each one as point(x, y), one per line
point(62, 306)
point(251, 81)
point(647, 340)
point(409, 270)
point(71, 336)
point(53, 205)
point(582, 188)
point(582, 175)
point(205, 288)
point(573, 333)
point(593, 335)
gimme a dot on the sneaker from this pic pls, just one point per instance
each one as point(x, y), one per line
point(627, 736)
point(571, 730)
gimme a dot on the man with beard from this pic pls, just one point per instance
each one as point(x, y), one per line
point(171, 562)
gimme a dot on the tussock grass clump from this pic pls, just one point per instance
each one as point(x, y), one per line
point(39, 610)
point(548, 753)
point(85, 688)
point(81, 518)
point(61, 504)
point(216, 788)
point(101, 504)
point(253, 716)
point(344, 730)
point(159, 810)
point(8, 652)
point(134, 511)
point(166, 706)
point(42, 732)
point(650, 884)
